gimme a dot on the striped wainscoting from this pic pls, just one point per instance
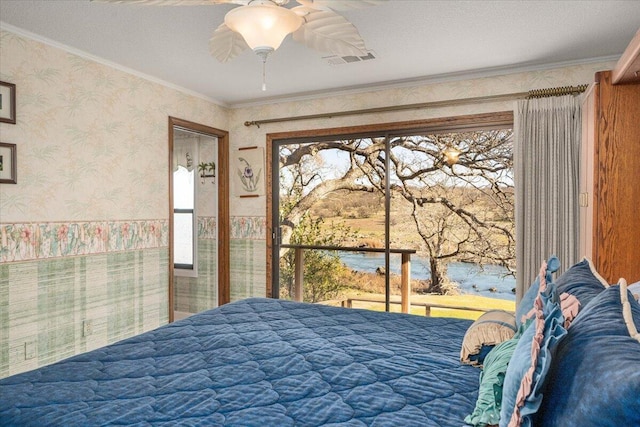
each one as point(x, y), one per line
point(248, 257)
point(195, 294)
point(68, 287)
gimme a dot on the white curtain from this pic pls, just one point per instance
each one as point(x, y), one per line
point(546, 162)
point(184, 150)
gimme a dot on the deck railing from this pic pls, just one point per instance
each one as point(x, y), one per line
point(348, 303)
point(405, 269)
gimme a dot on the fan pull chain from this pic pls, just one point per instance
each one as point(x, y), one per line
point(263, 53)
point(264, 74)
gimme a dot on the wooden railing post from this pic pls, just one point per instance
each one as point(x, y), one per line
point(405, 282)
point(298, 294)
point(298, 274)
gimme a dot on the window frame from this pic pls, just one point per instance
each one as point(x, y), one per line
point(189, 270)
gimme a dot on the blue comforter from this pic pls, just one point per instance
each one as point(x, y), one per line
point(259, 362)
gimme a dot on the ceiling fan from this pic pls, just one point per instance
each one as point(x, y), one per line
point(262, 25)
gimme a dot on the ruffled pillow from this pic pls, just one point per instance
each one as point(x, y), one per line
point(526, 303)
point(490, 329)
point(529, 364)
point(634, 288)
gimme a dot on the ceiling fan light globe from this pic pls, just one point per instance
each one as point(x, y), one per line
point(262, 24)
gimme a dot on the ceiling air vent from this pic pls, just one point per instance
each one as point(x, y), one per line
point(340, 60)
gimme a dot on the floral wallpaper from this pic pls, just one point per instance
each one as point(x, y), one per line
point(92, 141)
point(207, 228)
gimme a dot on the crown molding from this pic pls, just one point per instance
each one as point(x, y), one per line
point(421, 81)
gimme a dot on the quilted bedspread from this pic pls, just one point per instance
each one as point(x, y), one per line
point(259, 362)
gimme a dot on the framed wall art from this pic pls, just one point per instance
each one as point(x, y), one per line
point(248, 171)
point(8, 163)
point(7, 102)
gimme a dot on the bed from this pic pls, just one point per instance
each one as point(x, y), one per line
point(568, 356)
point(259, 362)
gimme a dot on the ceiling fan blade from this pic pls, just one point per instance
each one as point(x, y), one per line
point(174, 2)
point(226, 44)
point(339, 4)
point(328, 32)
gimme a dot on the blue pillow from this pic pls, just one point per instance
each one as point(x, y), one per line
point(526, 303)
point(596, 371)
point(582, 281)
point(529, 365)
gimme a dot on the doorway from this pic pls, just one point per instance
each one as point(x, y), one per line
point(198, 218)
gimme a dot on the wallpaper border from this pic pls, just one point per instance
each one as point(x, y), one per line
point(207, 227)
point(34, 241)
point(248, 227)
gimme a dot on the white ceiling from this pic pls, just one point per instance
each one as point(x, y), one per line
point(413, 40)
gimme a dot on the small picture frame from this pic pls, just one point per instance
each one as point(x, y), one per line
point(7, 102)
point(8, 163)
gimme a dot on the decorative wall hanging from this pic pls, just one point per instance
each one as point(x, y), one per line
point(8, 163)
point(7, 102)
point(248, 171)
point(207, 170)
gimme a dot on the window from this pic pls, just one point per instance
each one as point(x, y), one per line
point(184, 215)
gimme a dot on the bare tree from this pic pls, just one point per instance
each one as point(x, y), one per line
point(462, 208)
point(305, 186)
point(454, 204)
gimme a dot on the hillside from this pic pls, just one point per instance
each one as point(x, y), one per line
point(364, 214)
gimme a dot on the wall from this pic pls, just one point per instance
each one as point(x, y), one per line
point(84, 232)
point(254, 249)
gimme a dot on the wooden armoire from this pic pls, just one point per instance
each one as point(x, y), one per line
point(610, 169)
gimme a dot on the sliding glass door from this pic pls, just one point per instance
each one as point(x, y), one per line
point(389, 216)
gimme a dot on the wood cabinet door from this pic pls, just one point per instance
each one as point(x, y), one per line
point(616, 242)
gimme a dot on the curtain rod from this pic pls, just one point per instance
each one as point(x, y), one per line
point(538, 93)
point(557, 91)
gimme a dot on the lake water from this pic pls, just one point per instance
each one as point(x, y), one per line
point(465, 274)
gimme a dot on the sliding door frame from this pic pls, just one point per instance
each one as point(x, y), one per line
point(273, 140)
